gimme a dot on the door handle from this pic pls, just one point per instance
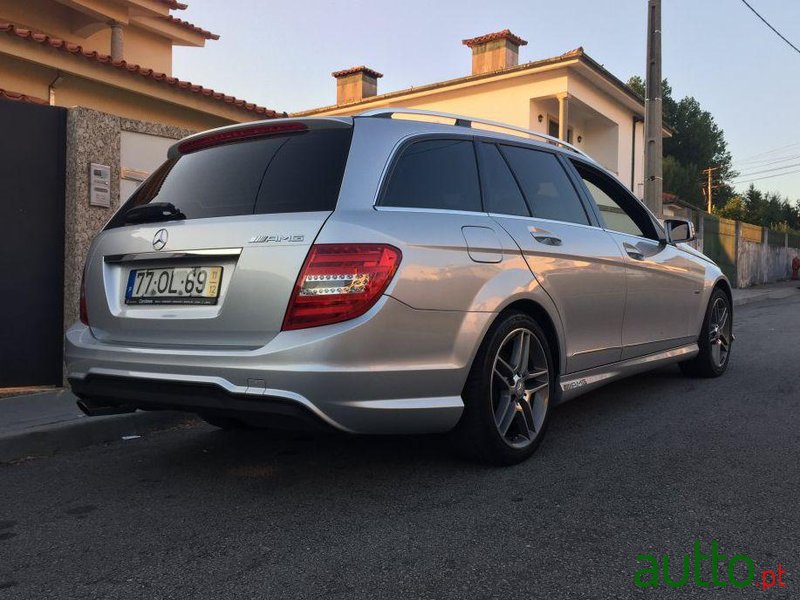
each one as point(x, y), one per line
point(633, 251)
point(545, 237)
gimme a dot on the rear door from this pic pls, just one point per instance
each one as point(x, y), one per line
point(431, 204)
point(664, 283)
point(241, 210)
point(528, 192)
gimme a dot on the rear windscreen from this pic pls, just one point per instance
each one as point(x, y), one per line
point(296, 172)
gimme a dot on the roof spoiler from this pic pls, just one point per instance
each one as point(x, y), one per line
point(251, 130)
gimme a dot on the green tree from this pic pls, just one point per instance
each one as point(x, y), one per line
point(735, 209)
point(696, 143)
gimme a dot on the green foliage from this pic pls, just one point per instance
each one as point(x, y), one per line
point(770, 209)
point(681, 180)
point(735, 209)
point(697, 142)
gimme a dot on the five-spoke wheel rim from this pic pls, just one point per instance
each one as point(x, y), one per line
point(719, 334)
point(520, 388)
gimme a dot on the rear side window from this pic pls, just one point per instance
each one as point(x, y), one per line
point(501, 194)
point(297, 172)
point(546, 186)
point(435, 174)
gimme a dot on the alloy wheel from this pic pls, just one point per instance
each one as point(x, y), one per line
point(520, 388)
point(719, 336)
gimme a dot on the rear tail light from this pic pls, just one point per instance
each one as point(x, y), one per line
point(84, 313)
point(340, 282)
point(237, 135)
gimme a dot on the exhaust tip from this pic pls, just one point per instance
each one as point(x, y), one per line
point(95, 409)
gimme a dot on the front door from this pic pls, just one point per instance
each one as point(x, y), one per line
point(664, 284)
point(529, 194)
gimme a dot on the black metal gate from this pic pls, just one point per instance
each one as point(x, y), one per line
point(32, 151)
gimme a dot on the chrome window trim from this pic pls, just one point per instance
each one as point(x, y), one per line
point(522, 217)
point(445, 211)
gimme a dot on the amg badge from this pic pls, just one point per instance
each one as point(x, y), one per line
point(260, 239)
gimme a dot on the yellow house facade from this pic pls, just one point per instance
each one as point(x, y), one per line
point(110, 55)
point(570, 96)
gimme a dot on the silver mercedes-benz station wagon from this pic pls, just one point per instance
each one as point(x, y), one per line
point(394, 272)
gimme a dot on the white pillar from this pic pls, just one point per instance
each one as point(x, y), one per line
point(563, 116)
point(116, 41)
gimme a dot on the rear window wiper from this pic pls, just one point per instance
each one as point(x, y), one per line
point(153, 213)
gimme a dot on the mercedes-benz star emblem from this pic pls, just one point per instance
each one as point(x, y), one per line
point(160, 239)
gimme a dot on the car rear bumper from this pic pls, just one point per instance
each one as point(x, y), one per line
point(393, 370)
point(200, 397)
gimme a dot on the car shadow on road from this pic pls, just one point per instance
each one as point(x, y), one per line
point(256, 454)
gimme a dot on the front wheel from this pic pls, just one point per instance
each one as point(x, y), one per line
point(715, 340)
point(508, 392)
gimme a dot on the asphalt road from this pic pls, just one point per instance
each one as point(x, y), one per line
point(647, 465)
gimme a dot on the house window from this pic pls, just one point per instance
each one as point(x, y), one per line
point(552, 129)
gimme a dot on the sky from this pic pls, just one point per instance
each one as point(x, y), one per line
point(281, 55)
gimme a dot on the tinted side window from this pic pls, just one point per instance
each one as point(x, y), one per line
point(546, 186)
point(435, 174)
point(501, 194)
point(618, 210)
point(306, 173)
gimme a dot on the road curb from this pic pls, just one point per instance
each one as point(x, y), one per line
point(84, 431)
point(778, 294)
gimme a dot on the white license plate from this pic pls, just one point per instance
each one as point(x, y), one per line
point(174, 285)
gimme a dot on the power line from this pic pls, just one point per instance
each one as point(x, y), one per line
point(764, 162)
point(792, 166)
point(766, 177)
point(778, 33)
point(766, 152)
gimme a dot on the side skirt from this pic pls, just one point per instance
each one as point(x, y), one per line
point(575, 384)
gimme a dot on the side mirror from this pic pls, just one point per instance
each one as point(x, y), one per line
point(679, 230)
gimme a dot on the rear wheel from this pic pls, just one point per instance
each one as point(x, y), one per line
point(508, 392)
point(716, 338)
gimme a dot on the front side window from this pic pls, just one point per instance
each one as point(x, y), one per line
point(440, 174)
point(547, 188)
point(618, 210)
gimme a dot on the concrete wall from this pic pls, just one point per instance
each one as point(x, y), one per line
point(760, 262)
point(94, 137)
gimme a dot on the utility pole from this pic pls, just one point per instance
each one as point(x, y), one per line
point(653, 147)
point(709, 187)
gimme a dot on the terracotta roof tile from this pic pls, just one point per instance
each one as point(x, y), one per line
point(498, 35)
point(122, 65)
point(191, 26)
point(359, 69)
point(9, 95)
point(174, 4)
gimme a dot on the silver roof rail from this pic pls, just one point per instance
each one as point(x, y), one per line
point(462, 121)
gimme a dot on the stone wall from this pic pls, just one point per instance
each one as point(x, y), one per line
point(93, 137)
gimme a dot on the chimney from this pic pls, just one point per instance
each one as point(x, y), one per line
point(494, 51)
point(355, 84)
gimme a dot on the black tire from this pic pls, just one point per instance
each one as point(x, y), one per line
point(225, 423)
point(708, 363)
point(486, 393)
